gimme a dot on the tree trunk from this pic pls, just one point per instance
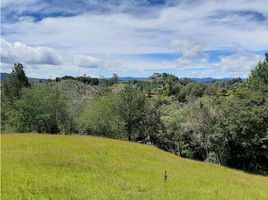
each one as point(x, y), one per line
point(129, 131)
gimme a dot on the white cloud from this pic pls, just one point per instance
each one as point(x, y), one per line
point(124, 33)
point(92, 62)
point(192, 52)
point(240, 61)
point(49, 63)
point(188, 46)
point(87, 61)
point(195, 27)
point(19, 52)
point(237, 64)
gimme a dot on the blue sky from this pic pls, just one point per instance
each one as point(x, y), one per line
point(188, 38)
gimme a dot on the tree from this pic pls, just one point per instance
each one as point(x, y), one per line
point(243, 130)
point(10, 92)
point(42, 109)
point(170, 137)
point(101, 117)
point(191, 90)
point(258, 78)
point(215, 89)
point(114, 78)
point(15, 82)
point(151, 125)
point(132, 109)
point(164, 78)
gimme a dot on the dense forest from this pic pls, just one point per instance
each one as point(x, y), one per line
point(224, 122)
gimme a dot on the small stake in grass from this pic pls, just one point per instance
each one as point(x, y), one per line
point(165, 176)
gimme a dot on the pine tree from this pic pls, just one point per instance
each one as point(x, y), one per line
point(15, 82)
point(258, 78)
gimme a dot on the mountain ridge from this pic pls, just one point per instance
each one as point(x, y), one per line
point(130, 78)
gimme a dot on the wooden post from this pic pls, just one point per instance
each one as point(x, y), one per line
point(165, 176)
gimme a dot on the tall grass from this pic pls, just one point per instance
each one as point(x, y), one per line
point(39, 166)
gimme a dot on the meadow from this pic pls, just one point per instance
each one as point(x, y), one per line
point(43, 166)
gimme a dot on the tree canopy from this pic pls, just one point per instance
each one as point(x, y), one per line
point(225, 122)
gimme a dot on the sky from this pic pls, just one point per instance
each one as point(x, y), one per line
point(188, 38)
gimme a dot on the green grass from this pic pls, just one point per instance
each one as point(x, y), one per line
point(39, 166)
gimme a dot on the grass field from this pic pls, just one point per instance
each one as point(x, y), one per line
point(38, 166)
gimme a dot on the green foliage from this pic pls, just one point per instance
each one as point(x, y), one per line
point(40, 109)
point(229, 130)
point(188, 127)
point(132, 109)
point(258, 78)
point(164, 78)
point(101, 117)
point(191, 91)
point(243, 131)
point(84, 79)
point(14, 83)
point(151, 125)
point(215, 89)
point(221, 122)
point(170, 83)
point(171, 137)
point(10, 92)
point(114, 78)
point(76, 94)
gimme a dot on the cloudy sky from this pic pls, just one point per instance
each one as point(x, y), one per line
point(188, 38)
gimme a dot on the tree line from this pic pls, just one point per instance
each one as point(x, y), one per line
point(219, 122)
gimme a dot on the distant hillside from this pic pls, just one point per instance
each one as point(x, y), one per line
point(129, 78)
point(32, 80)
point(39, 166)
point(209, 79)
point(4, 76)
point(203, 80)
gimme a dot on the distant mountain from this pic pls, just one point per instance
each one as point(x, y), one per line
point(129, 78)
point(31, 80)
point(202, 80)
point(4, 76)
point(209, 79)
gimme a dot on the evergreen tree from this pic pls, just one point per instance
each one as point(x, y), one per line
point(132, 109)
point(15, 82)
point(258, 78)
point(115, 78)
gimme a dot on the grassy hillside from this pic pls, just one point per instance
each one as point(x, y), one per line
point(37, 166)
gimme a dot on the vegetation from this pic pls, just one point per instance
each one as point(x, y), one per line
point(39, 166)
point(258, 78)
point(15, 82)
point(42, 109)
point(221, 122)
point(99, 117)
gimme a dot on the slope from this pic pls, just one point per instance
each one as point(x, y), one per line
point(39, 166)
